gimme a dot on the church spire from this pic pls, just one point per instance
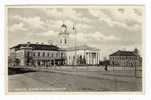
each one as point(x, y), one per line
point(63, 29)
point(64, 36)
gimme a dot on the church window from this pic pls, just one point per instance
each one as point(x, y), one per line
point(93, 55)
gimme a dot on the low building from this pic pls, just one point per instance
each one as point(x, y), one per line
point(37, 55)
point(125, 59)
point(82, 55)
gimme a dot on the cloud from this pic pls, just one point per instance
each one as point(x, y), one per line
point(101, 37)
point(34, 23)
point(31, 23)
point(83, 38)
point(17, 27)
point(80, 27)
point(128, 14)
point(47, 33)
point(95, 26)
point(66, 13)
point(123, 17)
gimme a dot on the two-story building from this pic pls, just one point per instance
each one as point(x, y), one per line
point(37, 55)
point(125, 58)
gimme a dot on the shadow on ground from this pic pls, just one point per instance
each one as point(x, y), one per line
point(13, 71)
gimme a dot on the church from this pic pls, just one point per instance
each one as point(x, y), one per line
point(77, 54)
point(66, 52)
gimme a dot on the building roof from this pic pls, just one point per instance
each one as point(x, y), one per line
point(63, 25)
point(37, 47)
point(63, 33)
point(81, 47)
point(123, 53)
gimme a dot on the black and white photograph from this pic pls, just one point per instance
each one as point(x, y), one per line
point(75, 48)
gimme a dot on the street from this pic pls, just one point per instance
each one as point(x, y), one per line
point(80, 82)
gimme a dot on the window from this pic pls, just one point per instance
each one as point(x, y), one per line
point(52, 55)
point(28, 54)
point(61, 55)
point(93, 55)
point(48, 54)
point(43, 54)
point(38, 54)
point(56, 54)
point(33, 53)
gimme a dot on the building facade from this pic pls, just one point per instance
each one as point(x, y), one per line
point(46, 55)
point(82, 55)
point(37, 55)
point(77, 54)
point(125, 59)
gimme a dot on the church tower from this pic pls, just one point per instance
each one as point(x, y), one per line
point(64, 37)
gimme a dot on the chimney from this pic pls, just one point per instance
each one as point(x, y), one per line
point(136, 51)
point(50, 42)
point(37, 42)
point(28, 43)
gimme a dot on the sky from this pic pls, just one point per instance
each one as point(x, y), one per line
point(108, 28)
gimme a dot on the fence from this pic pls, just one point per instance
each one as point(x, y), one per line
point(116, 70)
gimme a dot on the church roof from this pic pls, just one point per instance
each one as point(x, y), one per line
point(63, 33)
point(81, 47)
point(63, 25)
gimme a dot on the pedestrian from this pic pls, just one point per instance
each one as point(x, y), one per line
point(105, 68)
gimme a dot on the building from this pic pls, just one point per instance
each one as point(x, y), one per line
point(63, 36)
point(125, 58)
point(82, 55)
point(66, 53)
point(37, 55)
point(76, 54)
